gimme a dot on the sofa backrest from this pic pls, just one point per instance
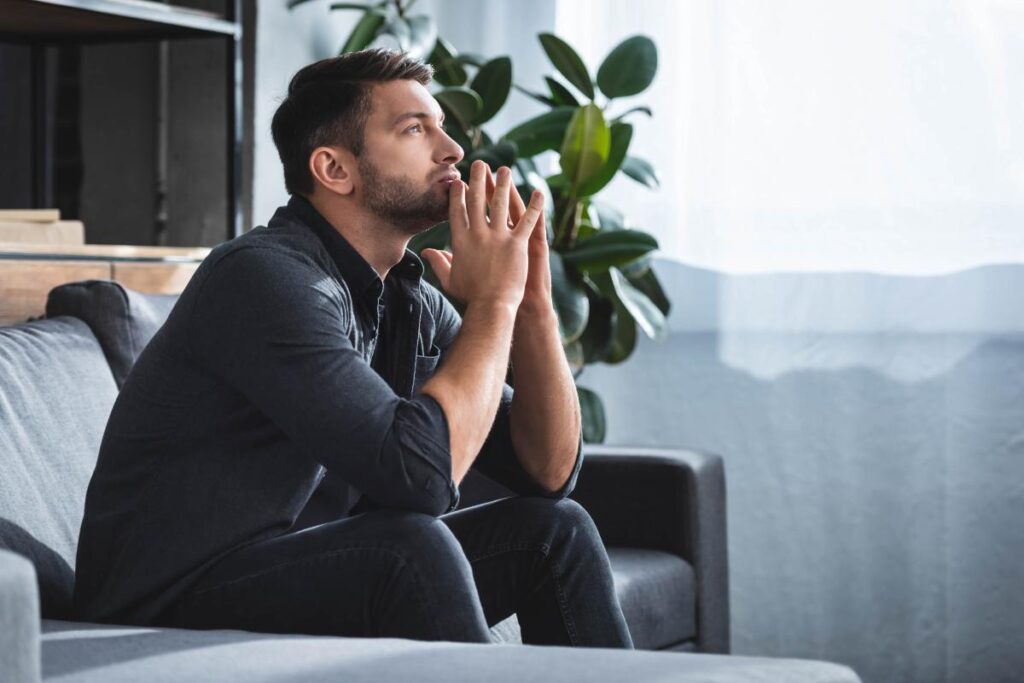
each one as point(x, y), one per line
point(122, 319)
point(59, 377)
point(56, 392)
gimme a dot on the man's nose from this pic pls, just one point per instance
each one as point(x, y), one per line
point(452, 151)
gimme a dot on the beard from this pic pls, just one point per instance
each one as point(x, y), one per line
point(397, 200)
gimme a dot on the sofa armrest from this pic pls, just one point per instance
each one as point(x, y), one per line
point(20, 654)
point(672, 500)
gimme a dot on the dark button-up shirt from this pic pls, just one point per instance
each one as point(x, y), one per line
point(282, 391)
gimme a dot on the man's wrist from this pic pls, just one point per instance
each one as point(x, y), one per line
point(536, 312)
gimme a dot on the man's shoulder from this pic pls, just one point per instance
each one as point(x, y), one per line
point(266, 262)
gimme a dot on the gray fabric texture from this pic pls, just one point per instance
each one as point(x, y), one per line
point(19, 620)
point(76, 653)
point(655, 590)
point(56, 392)
point(671, 500)
point(122, 319)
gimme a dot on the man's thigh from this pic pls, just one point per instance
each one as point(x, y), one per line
point(334, 578)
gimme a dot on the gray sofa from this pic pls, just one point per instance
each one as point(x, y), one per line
point(661, 514)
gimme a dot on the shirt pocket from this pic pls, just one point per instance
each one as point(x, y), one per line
point(425, 367)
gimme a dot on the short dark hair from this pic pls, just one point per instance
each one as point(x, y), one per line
point(329, 102)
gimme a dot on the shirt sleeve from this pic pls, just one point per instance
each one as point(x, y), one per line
point(275, 328)
point(497, 458)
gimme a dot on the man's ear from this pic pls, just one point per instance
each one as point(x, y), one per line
point(332, 167)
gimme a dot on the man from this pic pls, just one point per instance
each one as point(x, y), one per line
point(285, 454)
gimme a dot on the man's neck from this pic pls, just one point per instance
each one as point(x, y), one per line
point(380, 244)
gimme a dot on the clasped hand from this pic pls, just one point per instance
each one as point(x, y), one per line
point(499, 245)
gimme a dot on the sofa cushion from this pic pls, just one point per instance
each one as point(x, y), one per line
point(80, 653)
point(56, 393)
point(656, 592)
point(122, 319)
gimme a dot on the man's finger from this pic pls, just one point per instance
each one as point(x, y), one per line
point(458, 217)
point(526, 224)
point(516, 207)
point(490, 185)
point(477, 202)
point(441, 266)
point(499, 203)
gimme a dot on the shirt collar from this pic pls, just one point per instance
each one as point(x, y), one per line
point(359, 275)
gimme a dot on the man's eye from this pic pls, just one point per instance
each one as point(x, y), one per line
point(411, 127)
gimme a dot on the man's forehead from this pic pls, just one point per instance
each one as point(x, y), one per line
point(395, 99)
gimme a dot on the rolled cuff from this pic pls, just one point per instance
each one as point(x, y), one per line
point(425, 435)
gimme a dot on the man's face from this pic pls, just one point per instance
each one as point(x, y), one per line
point(405, 157)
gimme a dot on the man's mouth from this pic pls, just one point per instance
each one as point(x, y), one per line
point(449, 178)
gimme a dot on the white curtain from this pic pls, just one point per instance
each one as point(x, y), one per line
point(874, 135)
point(842, 227)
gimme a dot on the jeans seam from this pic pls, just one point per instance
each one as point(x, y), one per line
point(328, 555)
point(556, 570)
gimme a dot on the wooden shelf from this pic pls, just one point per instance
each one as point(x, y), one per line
point(59, 21)
point(100, 252)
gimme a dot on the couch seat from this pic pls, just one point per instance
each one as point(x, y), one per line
point(80, 653)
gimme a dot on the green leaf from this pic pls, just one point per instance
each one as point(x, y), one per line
point(644, 110)
point(648, 283)
point(608, 217)
point(621, 136)
point(606, 249)
point(629, 68)
point(647, 316)
point(463, 103)
point(423, 36)
point(400, 29)
point(543, 99)
point(341, 5)
point(500, 154)
point(586, 146)
point(623, 327)
point(570, 300)
point(437, 237)
point(568, 63)
point(447, 71)
point(365, 31)
point(592, 415)
point(597, 337)
point(541, 133)
point(492, 82)
point(560, 94)
point(574, 355)
point(472, 59)
point(641, 171)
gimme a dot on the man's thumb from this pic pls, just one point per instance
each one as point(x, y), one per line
point(439, 264)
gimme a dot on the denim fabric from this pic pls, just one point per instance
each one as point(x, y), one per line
point(286, 373)
point(401, 574)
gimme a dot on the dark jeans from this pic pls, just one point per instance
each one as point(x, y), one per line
point(393, 573)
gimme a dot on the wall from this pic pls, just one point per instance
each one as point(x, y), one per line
point(872, 428)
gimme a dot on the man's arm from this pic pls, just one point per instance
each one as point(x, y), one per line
point(535, 444)
point(487, 268)
point(468, 385)
point(273, 330)
point(545, 418)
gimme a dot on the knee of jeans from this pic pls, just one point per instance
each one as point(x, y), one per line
point(563, 515)
point(422, 541)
